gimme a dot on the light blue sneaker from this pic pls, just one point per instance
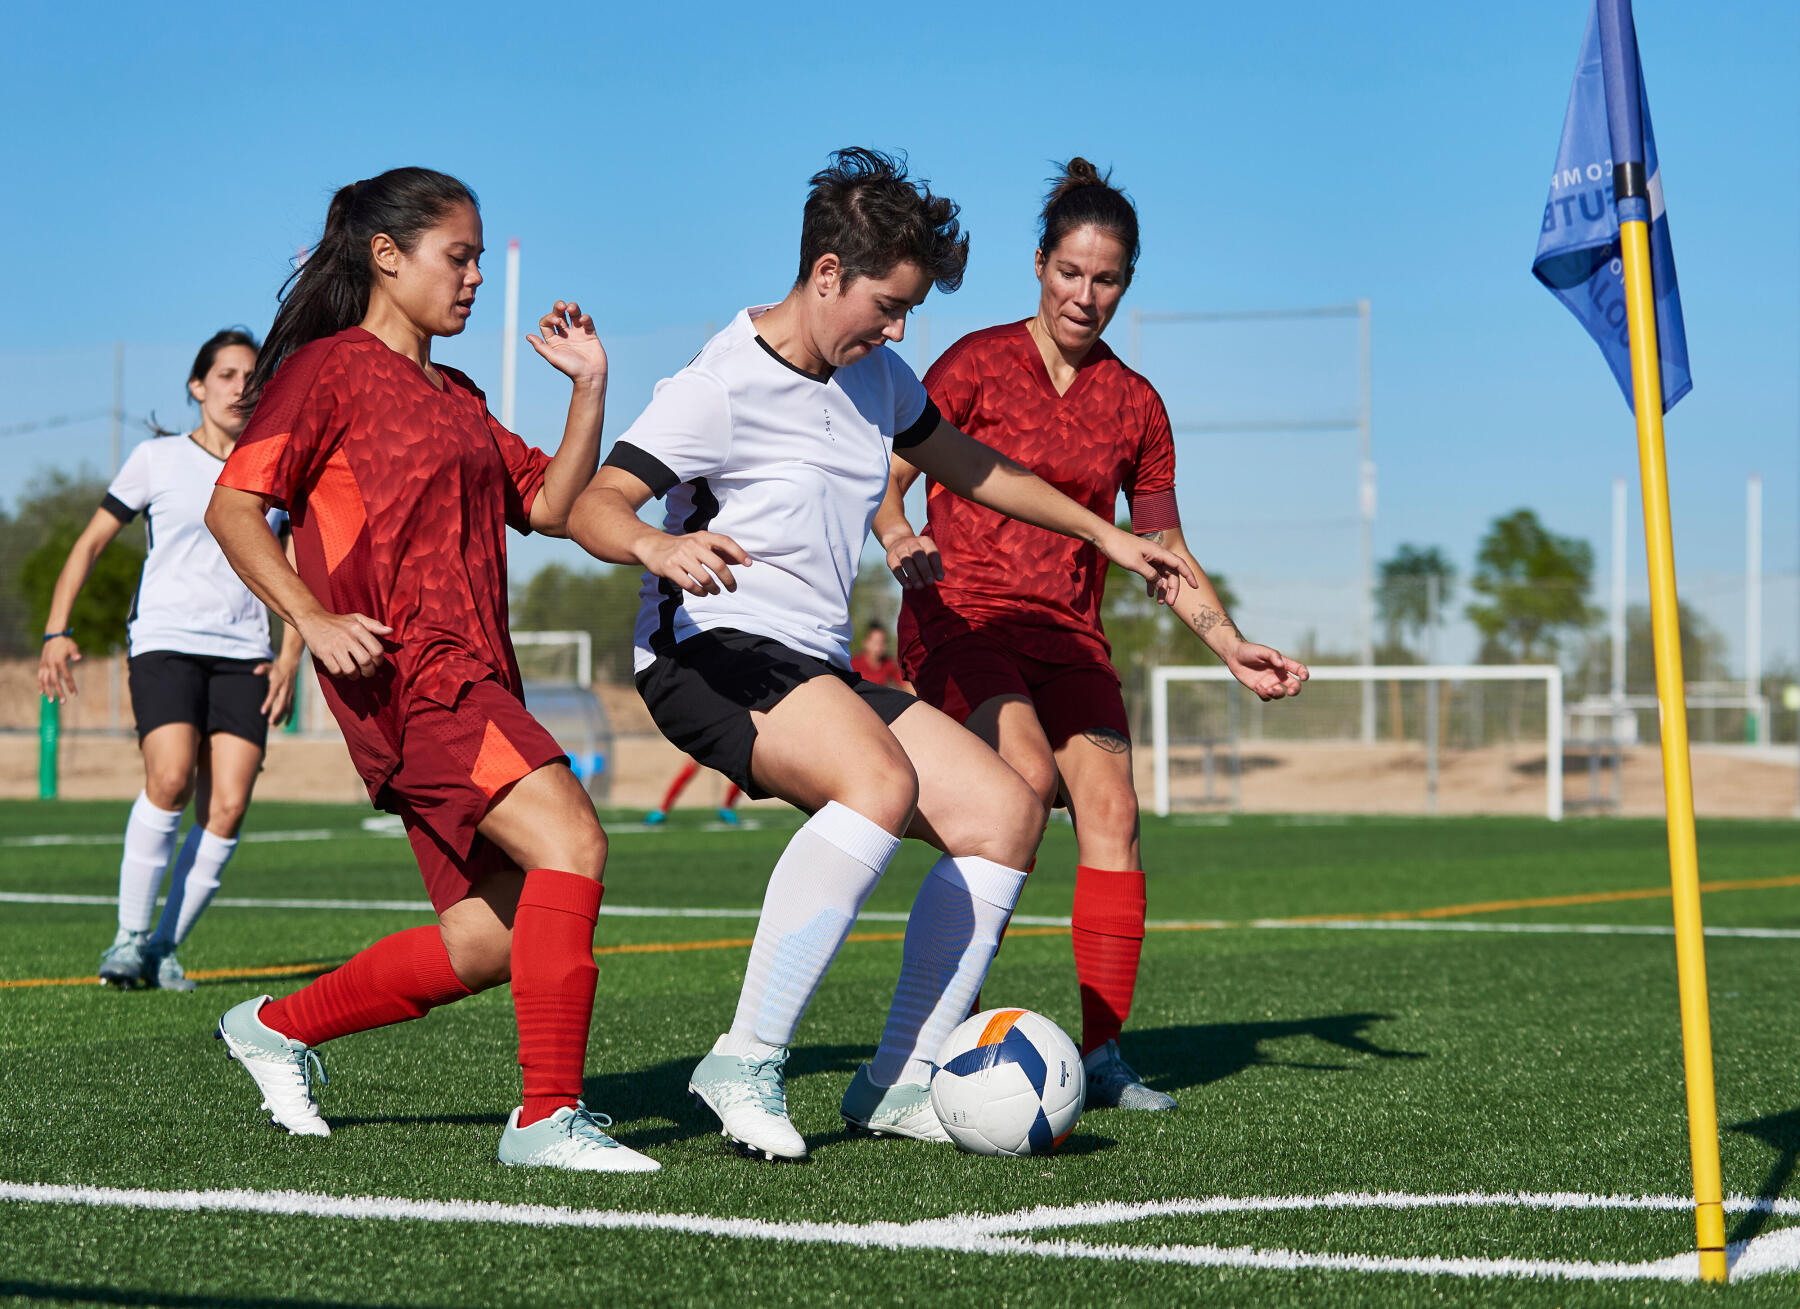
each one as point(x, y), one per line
point(749, 1096)
point(124, 964)
point(282, 1068)
point(162, 969)
point(903, 1109)
point(1111, 1083)
point(575, 1139)
point(728, 817)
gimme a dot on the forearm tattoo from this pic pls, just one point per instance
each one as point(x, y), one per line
point(1209, 618)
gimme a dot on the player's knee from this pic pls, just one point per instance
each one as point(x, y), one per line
point(1112, 814)
point(885, 790)
point(224, 817)
point(583, 849)
point(1010, 823)
point(1039, 773)
point(480, 957)
point(168, 788)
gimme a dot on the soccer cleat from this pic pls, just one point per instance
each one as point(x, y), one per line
point(163, 970)
point(728, 817)
point(903, 1109)
point(748, 1095)
point(281, 1066)
point(570, 1138)
point(1111, 1083)
point(655, 818)
point(125, 963)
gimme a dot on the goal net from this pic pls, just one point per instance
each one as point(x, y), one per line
point(558, 670)
point(1462, 738)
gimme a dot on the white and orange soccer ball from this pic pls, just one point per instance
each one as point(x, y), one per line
point(1009, 1082)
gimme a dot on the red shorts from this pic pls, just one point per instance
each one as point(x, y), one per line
point(961, 675)
point(454, 763)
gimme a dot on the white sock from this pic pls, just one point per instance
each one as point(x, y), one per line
point(149, 841)
point(951, 936)
point(193, 881)
point(817, 889)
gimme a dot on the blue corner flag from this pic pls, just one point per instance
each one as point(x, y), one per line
point(1608, 123)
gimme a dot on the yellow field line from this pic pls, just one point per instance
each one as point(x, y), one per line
point(744, 942)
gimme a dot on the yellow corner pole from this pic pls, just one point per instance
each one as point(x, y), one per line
point(1678, 782)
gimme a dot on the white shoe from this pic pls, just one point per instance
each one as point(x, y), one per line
point(281, 1066)
point(570, 1138)
point(748, 1095)
point(903, 1109)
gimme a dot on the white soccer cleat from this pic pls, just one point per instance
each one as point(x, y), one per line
point(282, 1067)
point(903, 1109)
point(575, 1139)
point(750, 1098)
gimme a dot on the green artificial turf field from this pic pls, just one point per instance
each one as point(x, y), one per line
point(1402, 1054)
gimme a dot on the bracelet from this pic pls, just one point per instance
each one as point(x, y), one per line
point(51, 636)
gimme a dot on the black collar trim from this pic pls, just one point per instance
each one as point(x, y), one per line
point(776, 355)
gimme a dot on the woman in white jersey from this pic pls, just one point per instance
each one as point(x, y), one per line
point(772, 448)
point(202, 673)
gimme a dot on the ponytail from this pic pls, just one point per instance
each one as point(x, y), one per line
point(329, 291)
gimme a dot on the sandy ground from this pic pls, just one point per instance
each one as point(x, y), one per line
point(1320, 777)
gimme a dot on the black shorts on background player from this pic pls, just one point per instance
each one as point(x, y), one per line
point(212, 693)
point(701, 694)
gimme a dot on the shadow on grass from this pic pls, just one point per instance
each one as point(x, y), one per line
point(1202, 1054)
point(1781, 1133)
point(71, 1293)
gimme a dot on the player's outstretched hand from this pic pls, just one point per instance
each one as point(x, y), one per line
point(279, 701)
point(347, 645)
point(567, 339)
point(1269, 673)
point(1163, 569)
point(56, 680)
point(699, 563)
point(915, 562)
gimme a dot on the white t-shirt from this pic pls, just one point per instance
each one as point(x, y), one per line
point(188, 600)
point(791, 465)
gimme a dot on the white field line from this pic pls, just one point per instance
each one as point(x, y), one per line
point(1773, 1252)
point(1022, 920)
point(370, 827)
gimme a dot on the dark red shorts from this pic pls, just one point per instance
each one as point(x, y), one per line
point(961, 675)
point(453, 764)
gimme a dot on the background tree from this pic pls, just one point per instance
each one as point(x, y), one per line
point(1705, 653)
point(1533, 586)
point(35, 538)
point(603, 602)
point(1403, 596)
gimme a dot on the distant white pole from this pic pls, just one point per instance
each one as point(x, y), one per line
point(509, 336)
point(1366, 503)
point(1753, 595)
point(1618, 590)
point(118, 407)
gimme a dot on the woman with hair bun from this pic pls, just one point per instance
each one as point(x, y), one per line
point(401, 485)
point(1000, 625)
point(202, 673)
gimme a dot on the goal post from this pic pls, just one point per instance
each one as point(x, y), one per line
point(1434, 675)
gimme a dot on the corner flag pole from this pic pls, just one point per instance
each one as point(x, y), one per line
point(1671, 697)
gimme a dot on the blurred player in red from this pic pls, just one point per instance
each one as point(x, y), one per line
point(400, 485)
point(1000, 625)
point(689, 770)
point(875, 664)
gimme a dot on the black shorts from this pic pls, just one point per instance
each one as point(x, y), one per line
point(701, 695)
point(213, 694)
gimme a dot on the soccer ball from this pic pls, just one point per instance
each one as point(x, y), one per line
point(1009, 1082)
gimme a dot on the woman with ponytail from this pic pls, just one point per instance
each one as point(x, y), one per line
point(1000, 625)
point(400, 485)
point(205, 684)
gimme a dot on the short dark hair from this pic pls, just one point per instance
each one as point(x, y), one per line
point(875, 625)
point(864, 209)
point(1082, 196)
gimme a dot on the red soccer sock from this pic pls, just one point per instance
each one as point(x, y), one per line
point(1108, 935)
point(732, 796)
point(398, 978)
point(679, 785)
point(553, 976)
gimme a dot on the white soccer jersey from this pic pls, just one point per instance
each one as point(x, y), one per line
point(188, 600)
point(789, 464)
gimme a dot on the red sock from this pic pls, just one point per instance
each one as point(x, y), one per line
point(679, 785)
point(398, 978)
point(553, 977)
point(731, 795)
point(1108, 935)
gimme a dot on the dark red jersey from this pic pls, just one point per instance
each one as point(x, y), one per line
point(400, 495)
point(1034, 589)
point(885, 673)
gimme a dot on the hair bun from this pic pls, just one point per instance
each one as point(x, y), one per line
point(1076, 174)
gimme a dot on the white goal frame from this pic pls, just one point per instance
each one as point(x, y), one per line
point(584, 650)
point(1549, 674)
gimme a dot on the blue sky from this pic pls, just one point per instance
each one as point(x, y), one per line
point(164, 165)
